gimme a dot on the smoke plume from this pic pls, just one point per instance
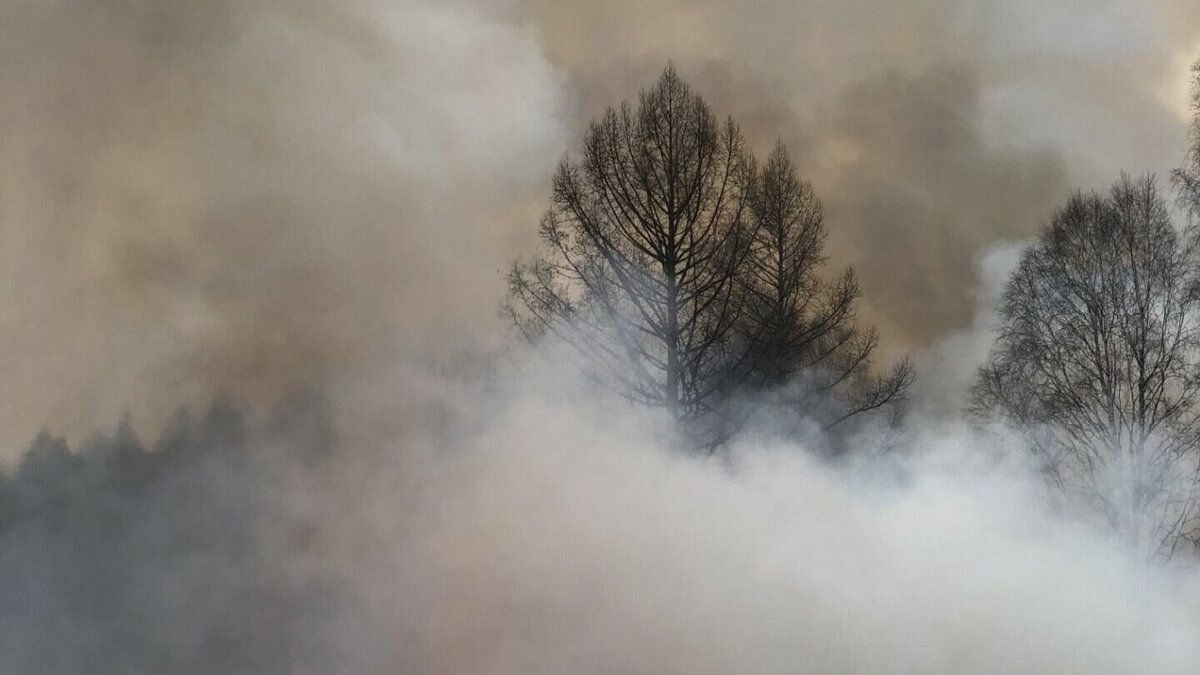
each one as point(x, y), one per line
point(301, 210)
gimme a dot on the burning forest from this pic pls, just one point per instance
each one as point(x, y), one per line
point(656, 337)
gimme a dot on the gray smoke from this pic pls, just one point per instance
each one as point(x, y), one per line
point(263, 197)
point(931, 129)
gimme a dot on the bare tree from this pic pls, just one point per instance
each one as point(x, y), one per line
point(796, 324)
point(1097, 359)
point(1187, 177)
point(641, 244)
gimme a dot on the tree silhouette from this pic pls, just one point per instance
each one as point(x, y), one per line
point(1097, 359)
point(795, 323)
point(1187, 177)
point(642, 244)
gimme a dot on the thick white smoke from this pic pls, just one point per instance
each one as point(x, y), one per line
point(540, 528)
point(554, 540)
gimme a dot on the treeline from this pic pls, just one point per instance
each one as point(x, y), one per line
point(54, 483)
point(164, 557)
point(690, 278)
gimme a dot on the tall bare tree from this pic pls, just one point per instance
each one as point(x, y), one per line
point(641, 244)
point(1187, 177)
point(796, 324)
point(1097, 361)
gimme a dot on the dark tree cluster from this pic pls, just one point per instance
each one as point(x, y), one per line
point(152, 559)
point(685, 275)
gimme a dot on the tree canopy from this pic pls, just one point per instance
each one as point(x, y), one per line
point(1096, 362)
point(684, 275)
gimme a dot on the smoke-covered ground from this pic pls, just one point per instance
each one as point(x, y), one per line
point(263, 197)
point(533, 535)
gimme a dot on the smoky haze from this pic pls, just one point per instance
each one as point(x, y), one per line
point(265, 195)
point(306, 207)
point(253, 196)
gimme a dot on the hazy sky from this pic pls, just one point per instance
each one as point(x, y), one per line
point(259, 194)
